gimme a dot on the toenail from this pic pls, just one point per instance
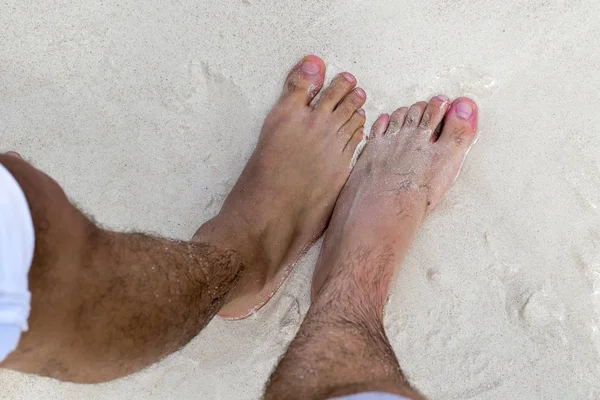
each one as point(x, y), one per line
point(443, 98)
point(464, 110)
point(361, 112)
point(360, 92)
point(310, 68)
point(349, 77)
point(13, 154)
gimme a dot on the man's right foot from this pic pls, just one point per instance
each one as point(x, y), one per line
point(410, 162)
point(284, 198)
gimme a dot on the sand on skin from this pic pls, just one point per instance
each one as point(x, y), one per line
point(145, 113)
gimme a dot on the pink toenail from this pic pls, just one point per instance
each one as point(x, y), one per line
point(443, 98)
point(310, 68)
point(464, 110)
point(362, 112)
point(360, 92)
point(349, 77)
point(13, 154)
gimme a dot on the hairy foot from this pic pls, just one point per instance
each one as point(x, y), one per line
point(285, 196)
point(410, 162)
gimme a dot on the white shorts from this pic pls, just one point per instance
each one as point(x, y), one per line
point(17, 241)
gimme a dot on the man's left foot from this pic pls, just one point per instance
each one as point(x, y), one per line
point(284, 198)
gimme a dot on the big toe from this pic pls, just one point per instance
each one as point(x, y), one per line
point(460, 125)
point(13, 154)
point(455, 140)
point(305, 80)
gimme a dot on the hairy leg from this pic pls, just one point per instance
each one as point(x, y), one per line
point(409, 164)
point(106, 304)
point(341, 347)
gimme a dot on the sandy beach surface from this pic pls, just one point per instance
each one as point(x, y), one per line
point(146, 111)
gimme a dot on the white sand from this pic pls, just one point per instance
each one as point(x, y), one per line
point(146, 112)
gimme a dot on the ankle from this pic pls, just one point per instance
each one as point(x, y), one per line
point(358, 289)
point(260, 240)
point(225, 232)
point(337, 306)
point(231, 230)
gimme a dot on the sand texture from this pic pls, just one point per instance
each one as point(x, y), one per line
point(146, 111)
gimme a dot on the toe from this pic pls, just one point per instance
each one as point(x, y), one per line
point(415, 114)
point(305, 80)
point(355, 122)
point(348, 107)
point(337, 90)
point(354, 141)
point(434, 113)
point(459, 126)
point(457, 136)
point(380, 126)
point(13, 154)
point(397, 120)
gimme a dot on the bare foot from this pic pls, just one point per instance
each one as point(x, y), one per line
point(410, 162)
point(285, 195)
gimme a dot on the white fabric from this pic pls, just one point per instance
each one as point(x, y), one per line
point(17, 241)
